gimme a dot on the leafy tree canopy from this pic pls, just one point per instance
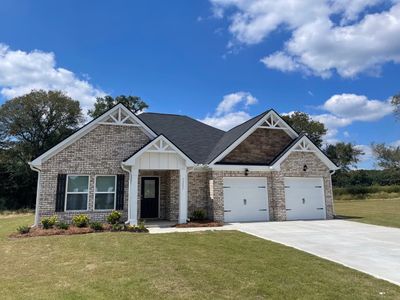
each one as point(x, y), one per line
point(134, 103)
point(396, 105)
point(344, 155)
point(302, 122)
point(30, 125)
point(388, 157)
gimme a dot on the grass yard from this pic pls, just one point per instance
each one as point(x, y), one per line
point(209, 265)
point(384, 212)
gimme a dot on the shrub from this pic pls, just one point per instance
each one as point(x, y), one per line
point(114, 217)
point(141, 227)
point(81, 220)
point(63, 225)
point(198, 215)
point(97, 226)
point(23, 229)
point(49, 222)
point(117, 227)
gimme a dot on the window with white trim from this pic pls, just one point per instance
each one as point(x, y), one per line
point(77, 192)
point(105, 192)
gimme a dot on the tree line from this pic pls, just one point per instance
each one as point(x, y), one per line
point(33, 123)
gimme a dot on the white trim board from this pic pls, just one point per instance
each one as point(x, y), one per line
point(273, 120)
point(89, 127)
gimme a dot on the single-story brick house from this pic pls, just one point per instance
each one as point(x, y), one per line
point(164, 166)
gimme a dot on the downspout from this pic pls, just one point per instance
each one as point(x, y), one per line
point(333, 204)
point(37, 194)
point(129, 188)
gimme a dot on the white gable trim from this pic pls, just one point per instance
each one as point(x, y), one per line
point(271, 120)
point(159, 145)
point(305, 145)
point(124, 114)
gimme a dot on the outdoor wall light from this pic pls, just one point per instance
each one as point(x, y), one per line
point(305, 168)
point(246, 172)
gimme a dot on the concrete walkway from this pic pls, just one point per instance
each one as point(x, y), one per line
point(371, 249)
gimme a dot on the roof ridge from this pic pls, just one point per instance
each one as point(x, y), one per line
point(265, 112)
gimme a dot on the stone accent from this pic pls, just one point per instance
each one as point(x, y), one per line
point(199, 193)
point(292, 166)
point(100, 152)
point(261, 147)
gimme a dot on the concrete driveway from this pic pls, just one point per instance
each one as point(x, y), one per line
point(368, 248)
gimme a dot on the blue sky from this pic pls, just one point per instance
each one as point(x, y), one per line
point(220, 61)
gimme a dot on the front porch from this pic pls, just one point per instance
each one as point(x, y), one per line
point(158, 182)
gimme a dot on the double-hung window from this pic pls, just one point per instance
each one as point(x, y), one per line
point(77, 192)
point(105, 192)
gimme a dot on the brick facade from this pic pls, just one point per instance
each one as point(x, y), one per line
point(101, 151)
point(261, 147)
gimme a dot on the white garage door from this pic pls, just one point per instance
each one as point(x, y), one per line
point(305, 198)
point(245, 199)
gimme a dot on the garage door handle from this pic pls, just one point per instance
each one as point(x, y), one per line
point(288, 209)
point(227, 210)
point(320, 208)
point(262, 209)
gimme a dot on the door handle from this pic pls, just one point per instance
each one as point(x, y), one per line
point(304, 200)
point(244, 201)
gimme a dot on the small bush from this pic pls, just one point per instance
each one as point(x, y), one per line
point(81, 220)
point(62, 225)
point(198, 215)
point(117, 227)
point(141, 226)
point(97, 226)
point(114, 217)
point(49, 222)
point(23, 229)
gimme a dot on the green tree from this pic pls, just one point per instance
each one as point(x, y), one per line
point(344, 155)
point(396, 105)
point(30, 125)
point(388, 157)
point(134, 103)
point(302, 122)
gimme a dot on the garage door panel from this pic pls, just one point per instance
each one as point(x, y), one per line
point(304, 198)
point(245, 199)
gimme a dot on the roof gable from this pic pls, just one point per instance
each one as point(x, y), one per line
point(269, 119)
point(117, 115)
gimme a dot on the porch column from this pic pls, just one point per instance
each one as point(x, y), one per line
point(183, 195)
point(133, 196)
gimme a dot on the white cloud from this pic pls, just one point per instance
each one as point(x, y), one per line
point(359, 42)
point(227, 113)
point(344, 109)
point(21, 71)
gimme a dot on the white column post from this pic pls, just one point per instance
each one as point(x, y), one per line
point(133, 196)
point(183, 195)
point(37, 200)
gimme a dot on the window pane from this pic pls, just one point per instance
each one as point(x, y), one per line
point(149, 188)
point(76, 201)
point(104, 201)
point(105, 184)
point(78, 184)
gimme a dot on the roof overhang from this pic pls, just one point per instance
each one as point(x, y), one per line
point(161, 144)
point(117, 115)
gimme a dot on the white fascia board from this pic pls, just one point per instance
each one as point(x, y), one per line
point(318, 152)
point(132, 159)
point(86, 129)
point(289, 130)
point(242, 168)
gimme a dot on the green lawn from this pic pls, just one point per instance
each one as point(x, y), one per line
point(384, 212)
point(209, 265)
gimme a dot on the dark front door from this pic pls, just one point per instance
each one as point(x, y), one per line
point(149, 197)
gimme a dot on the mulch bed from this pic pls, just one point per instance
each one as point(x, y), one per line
point(200, 223)
point(37, 231)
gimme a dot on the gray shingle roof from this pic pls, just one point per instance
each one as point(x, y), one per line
point(201, 142)
point(193, 137)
